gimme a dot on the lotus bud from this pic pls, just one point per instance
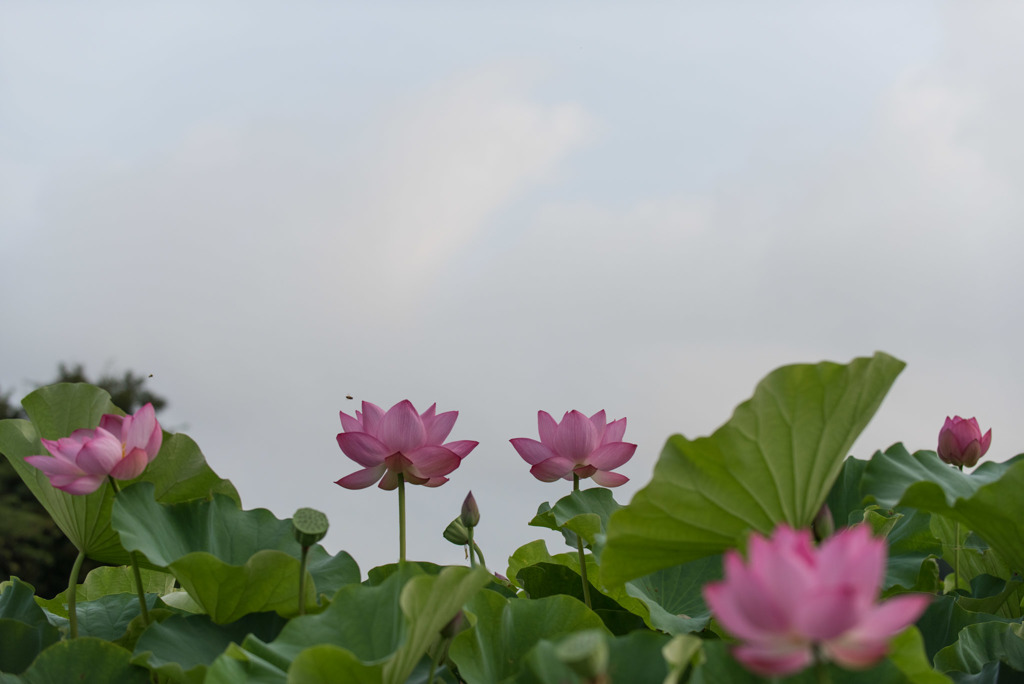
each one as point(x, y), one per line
point(310, 526)
point(823, 525)
point(470, 513)
point(456, 532)
point(961, 443)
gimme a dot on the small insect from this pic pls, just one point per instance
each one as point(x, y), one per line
point(347, 396)
point(150, 375)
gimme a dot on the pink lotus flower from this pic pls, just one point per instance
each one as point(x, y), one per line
point(586, 447)
point(790, 598)
point(400, 442)
point(961, 442)
point(120, 447)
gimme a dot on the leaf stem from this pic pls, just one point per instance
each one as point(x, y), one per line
point(139, 589)
point(302, 580)
point(76, 569)
point(401, 519)
point(579, 549)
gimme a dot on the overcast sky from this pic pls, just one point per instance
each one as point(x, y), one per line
point(642, 208)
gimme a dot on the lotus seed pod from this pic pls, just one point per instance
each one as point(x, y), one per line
point(310, 526)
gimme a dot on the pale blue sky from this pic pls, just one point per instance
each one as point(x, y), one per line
point(581, 206)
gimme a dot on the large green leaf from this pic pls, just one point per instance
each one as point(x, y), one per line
point(552, 579)
point(389, 625)
point(179, 472)
point(231, 562)
point(584, 512)
point(845, 500)
point(506, 629)
point(536, 554)
point(945, 618)
point(987, 500)
point(328, 664)
point(773, 462)
point(983, 643)
point(24, 629)
point(635, 658)
point(673, 595)
point(108, 617)
point(107, 580)
point(86, 660)
point(430, 603)
point(181, 648)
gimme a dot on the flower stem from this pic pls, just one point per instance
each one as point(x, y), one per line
point(821, 668)
point(302, 580)
point(472, 554)
point(579, 549)
point(401, 519)
point(139, 589)
point(956, 553)
point(76, 569)
point(479, 554)
point(433, 661)
point(956, 557)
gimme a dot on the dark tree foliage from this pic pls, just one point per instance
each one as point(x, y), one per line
point(32, 547)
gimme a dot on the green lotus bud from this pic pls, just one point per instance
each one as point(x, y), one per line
point(310, 526)
point(823, 525)
point(470, 513)
point(457, 533)
point(586, 653)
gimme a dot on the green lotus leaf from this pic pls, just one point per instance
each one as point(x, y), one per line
point(845, 500)
point(329, 664)
point(635, 657)
point(239, 666)
point(24, 629)
point(585, 512)
point(181, 648)
point(773, 462)
point(108, 617)
point(430, 603)
point(980, 644)
point(108, 580)
point(86, 660)
point(537, 552)
point(976, 556)
point(987, 500)
point(17, 602)
point(673, 595)
point(390, 625)
point(552, 579)
point(908, 657)
point(179, 472)
point(506, 630)
point(380, 573)
point(231, 562)
point(945, 618)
